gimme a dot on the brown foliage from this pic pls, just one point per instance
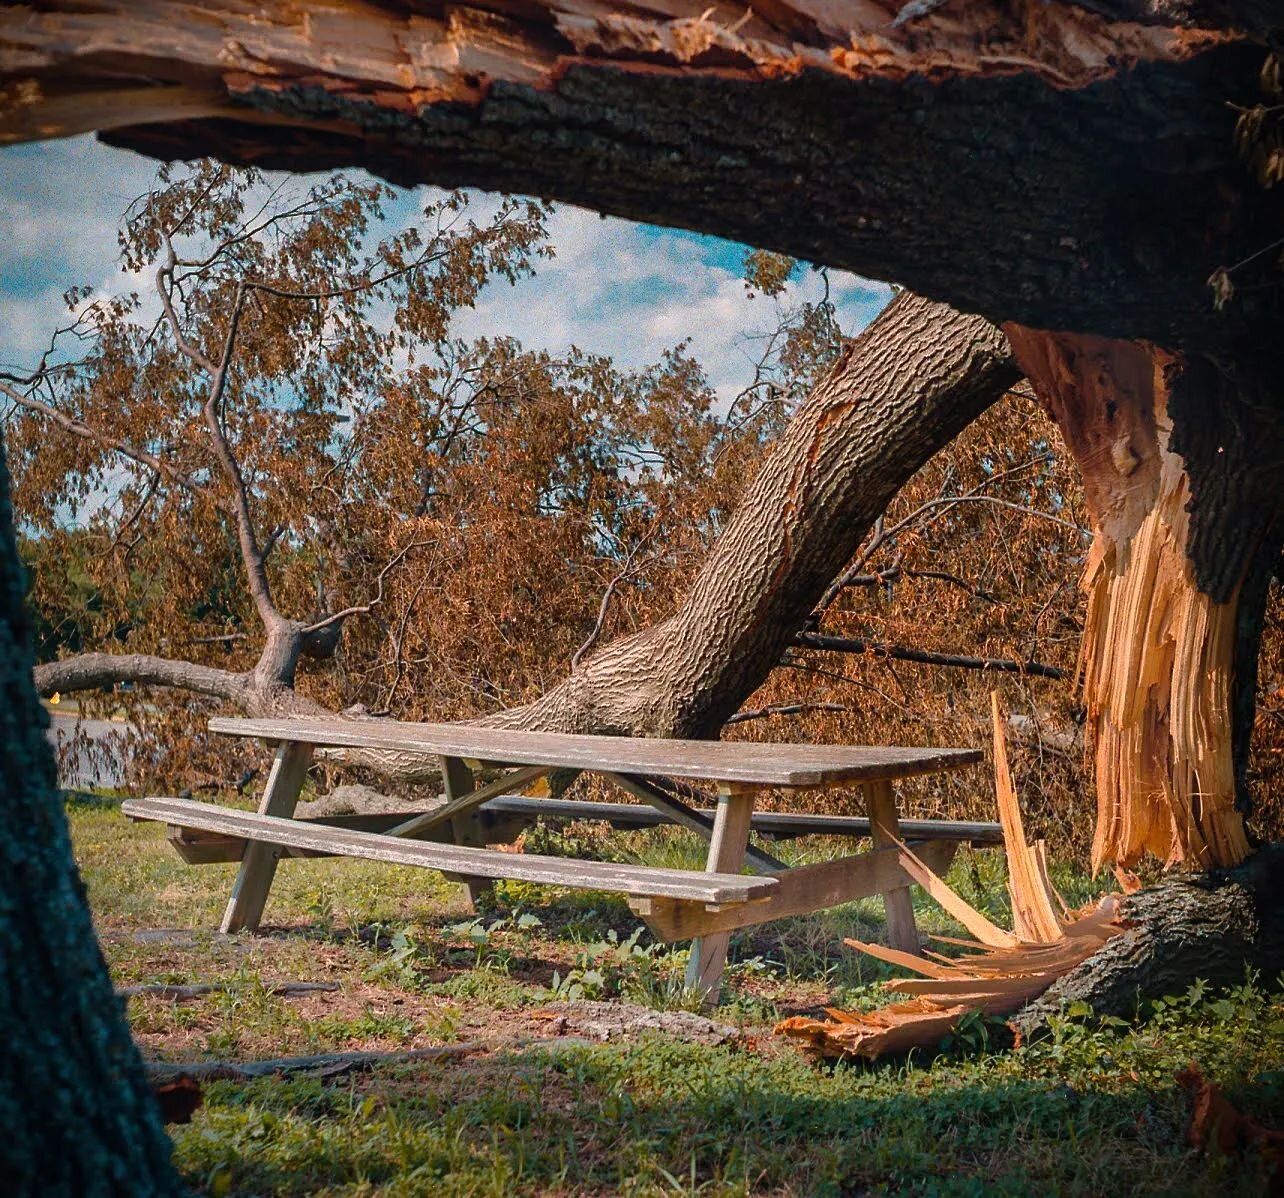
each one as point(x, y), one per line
point(487, 513)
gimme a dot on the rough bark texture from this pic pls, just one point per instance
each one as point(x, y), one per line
point(906, 387)
point(1067, 165)
point(78, 1115)
point(1212, 926)
point(1177, 539)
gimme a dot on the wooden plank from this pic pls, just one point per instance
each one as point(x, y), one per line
point(487, 863)
point(726, 855)
point(717, 761)
point(461, 797)
point(258, 866)
point(800, 891)
point(500, 825)
point(902, 933)
point(688, 817)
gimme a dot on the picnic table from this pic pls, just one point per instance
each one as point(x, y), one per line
point(454, 836)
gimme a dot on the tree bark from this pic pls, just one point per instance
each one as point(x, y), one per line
point(1181, 465)
point(906, 387)
point(78, 1115)
point(1219, 927)
point(1065, 164)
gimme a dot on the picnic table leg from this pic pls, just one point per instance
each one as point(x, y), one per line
point(727, 846)
point(258, 864)
point(465, 829)
point(902, 932)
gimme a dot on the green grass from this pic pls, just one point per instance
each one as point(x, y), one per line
point(1092, 1109)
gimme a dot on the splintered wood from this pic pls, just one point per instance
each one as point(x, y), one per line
point(1002, 971)
point(1156, 669)
point(1157, 652)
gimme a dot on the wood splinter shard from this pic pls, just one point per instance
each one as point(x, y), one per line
point(1002, 972)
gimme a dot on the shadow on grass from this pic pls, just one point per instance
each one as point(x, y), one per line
point(660, 1117)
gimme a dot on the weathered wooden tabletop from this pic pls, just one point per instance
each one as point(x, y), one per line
point(734, 762)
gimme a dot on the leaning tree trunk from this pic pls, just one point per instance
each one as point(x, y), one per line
point(905, 388)
point(77, 1114)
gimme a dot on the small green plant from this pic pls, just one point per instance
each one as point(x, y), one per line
point(613, 968)
point(402, 963)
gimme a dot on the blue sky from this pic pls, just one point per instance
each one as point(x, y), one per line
point(615, 287)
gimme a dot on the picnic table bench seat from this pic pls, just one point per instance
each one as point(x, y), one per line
point(610, 876)
point(479, 809)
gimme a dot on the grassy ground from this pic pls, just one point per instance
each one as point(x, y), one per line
point(1091, 1110)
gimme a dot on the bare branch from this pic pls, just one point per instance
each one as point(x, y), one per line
point(365, 608)
point(1000, 665)
point(91, 671)
point(619, 580)
point(80, 429)
point(762, 713)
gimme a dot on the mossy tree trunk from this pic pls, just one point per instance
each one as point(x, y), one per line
point(77, 1114)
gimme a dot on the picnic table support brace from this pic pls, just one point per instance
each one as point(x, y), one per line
point(727, 846)
point(258, 865)
point(688, 817)
point(466, 828)
point(902, 932)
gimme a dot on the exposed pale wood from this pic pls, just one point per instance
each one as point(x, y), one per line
point(1034, 917)
point(489, 863)
point(902, 933)
point(976, 923)
point(726, 855)
point(258, 866)
point(716, 761)
point(799, 891)
point(680, 813)
point(896, 956)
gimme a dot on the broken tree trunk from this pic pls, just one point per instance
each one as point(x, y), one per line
point(1058, 162)
point(1187, 526)
point(1221, 927)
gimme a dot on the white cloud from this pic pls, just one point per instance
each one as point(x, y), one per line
point(614, 287)
point(632, 292)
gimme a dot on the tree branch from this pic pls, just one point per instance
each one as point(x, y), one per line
point(762, 713)
point(620, 578)
point(79, 429)
point(91, 671)
point(1000, 665)
point(362, 609)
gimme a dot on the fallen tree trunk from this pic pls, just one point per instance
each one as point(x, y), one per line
point(1068, 165)
point(904, 389)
